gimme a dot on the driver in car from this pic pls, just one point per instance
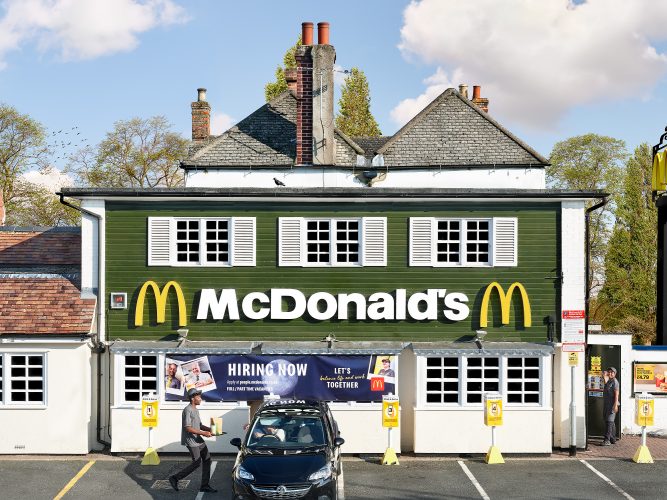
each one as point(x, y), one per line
point(269, 428)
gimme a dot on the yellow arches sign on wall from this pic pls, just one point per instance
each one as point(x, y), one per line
point(505, 301)
point(160, 302)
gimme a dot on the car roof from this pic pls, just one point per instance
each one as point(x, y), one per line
point(292, 407)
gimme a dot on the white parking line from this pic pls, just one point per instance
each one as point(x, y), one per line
point(474, 481)
point(341, 484)
point(200, 495)
point(609, 481)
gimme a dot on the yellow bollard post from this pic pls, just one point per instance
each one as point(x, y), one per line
point(644, 411)
point(493, 416)
point(389, 420)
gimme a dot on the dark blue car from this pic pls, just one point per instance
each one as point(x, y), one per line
point(291, 450)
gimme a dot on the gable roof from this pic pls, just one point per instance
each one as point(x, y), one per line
point(452, 131)
point(265, 138)
point(40, 246)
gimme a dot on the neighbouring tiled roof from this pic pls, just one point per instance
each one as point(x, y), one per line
point(40, 247)
point(451, 131)
point(33, 306)
point(371, 145)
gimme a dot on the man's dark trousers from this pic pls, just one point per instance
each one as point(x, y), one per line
point(610, 435)
point(200, 456)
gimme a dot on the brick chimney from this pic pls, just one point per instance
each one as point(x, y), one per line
point(201, 117)
point(315, 102)
point(481, 102)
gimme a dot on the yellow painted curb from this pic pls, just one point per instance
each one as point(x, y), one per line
point(150, 457)
point(390, 457)
point(643, 456)
point(493, 456)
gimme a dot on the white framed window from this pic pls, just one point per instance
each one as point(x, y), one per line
point(332, 242)
point(23, 379)
point(462, 381)
point(463, 242)
point(201, 241)
point(139, 377)
point(523, 380)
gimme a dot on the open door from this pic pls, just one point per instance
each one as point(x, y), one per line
point(599, 358)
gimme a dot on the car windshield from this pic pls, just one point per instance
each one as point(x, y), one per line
point(294, 431)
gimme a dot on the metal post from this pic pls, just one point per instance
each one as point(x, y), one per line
point(493, 435)
point(573, 415)
point(149, 437)
point(388, 437)
point(643, 435)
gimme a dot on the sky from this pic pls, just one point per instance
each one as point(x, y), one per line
point(551, 69)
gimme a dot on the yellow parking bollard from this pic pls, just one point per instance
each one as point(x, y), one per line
point(644, 412)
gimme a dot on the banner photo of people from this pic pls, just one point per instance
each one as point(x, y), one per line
point(251, 377)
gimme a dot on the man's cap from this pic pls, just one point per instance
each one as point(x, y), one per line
point(611, 369)
point(193, 392)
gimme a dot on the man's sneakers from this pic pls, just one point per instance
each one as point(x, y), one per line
point(208, 489)
point(174, 482)
point(606, 443)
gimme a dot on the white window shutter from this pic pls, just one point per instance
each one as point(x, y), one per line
point(159, 241)
point(243, 241)
point(374, 247)
point(289, 241)
point(421, 241)
point(505, 237)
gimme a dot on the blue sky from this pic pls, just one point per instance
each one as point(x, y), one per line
point(550, 69)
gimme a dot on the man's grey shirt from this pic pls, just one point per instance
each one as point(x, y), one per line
point(610, 387)
point(190, 418)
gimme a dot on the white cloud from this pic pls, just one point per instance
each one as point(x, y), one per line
point(51, 178)
point(82, 29)
point(220, 122)
point(536, 60)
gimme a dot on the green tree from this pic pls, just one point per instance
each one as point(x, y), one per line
point(137, 153)
point(22, 148)
point(39, 206)
point(355, 118)
point(589, 162)
point(274, 89)
point(629, 291)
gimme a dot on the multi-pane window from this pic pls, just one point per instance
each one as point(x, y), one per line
point(139, 377)
point(523, 380)
point(442, 380)
point(217, 241)
point(187, 241)
point(463, 380)
point(202, 241)
point(482, 375)
point(462, 242)
point(25, 379)
point(332, 241)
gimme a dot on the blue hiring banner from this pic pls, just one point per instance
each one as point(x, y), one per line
point(251, 377)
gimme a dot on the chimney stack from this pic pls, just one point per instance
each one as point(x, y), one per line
point(463, 90)
point(481, 102)
point(201, 117)
point(315, 102)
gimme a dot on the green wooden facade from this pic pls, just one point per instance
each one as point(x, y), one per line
point(538, 266)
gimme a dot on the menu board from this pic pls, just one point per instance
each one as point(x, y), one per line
point(650, 377)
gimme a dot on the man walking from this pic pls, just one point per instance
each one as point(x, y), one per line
point(192, 431)
point(610, 402)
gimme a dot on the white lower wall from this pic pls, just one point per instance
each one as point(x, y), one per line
point(362, 430)
point(66, 423)
point(562, 396)
point(463, 431)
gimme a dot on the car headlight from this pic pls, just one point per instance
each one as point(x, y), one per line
point(323, 473)
point(241, 473)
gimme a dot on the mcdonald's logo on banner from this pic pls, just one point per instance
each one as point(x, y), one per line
point(160, 302)
point(505, 302)
point(377, 384)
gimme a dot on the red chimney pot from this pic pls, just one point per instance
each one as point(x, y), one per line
point(323, 33)
point(476, 91)
point(307, 33)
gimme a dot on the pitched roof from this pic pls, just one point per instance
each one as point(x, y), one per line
point(40, 246)
point(51, 306)
point(370, 145)
point(39, 282)
point(451, 131)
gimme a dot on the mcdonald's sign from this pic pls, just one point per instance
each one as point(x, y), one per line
point(160, 302)
point(377, 384)
point(505, 302)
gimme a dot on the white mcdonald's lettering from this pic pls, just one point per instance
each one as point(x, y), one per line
point(289, 303)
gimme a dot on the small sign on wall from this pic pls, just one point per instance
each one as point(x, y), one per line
point(118, 300)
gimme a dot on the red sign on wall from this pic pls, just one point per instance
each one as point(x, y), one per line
point(574, 314)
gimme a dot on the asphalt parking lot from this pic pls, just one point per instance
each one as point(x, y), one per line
point(106, 477)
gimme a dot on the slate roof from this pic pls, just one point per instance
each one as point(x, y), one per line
point(450, 132)
point(40, 282)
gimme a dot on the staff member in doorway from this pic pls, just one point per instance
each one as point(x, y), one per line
point(610, 402)
point(192, 431)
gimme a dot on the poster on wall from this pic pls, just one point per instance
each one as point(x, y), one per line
point(251, 377)
point(650, 377)
point(174, 381)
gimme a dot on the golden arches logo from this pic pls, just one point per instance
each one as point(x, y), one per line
point(505, 302)
point(160, 302)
